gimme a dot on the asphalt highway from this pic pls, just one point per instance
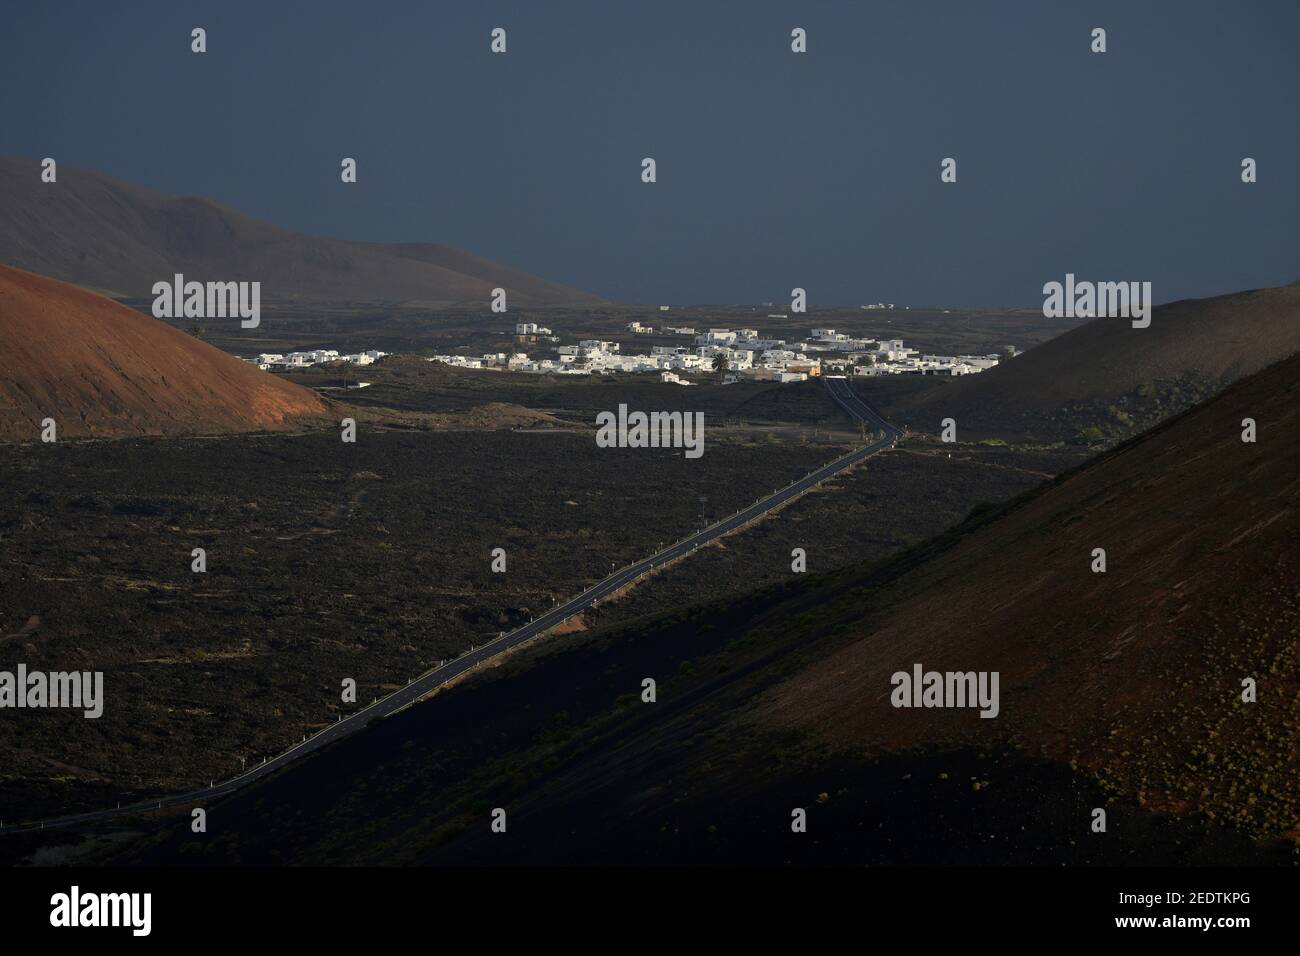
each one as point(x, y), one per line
point(840, 391)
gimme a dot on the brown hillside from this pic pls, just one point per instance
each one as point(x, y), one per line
point(105, 234)
point(1191, 349)
point(100, 369)
point(1135, 674)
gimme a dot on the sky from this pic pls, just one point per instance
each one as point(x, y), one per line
point(775, 169)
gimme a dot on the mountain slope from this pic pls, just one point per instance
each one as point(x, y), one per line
point(1109, 375)
point(109, 235)
point(101, 369)
point(1135, 673)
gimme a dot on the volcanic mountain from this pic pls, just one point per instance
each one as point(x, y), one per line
point(1138, 673)
point(1111, 377)
point(1162, 689)
point(118, 238)
point(99, 368)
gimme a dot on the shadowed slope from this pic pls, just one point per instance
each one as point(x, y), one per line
point(1135, 673)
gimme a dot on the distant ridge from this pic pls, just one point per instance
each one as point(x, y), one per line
point(1193, 348)
point(100, 369)
point(118, 238)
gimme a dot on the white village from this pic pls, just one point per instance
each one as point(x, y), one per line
point(740, 355)
point(737, 355)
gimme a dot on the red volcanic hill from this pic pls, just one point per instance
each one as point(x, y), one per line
point(101, 369)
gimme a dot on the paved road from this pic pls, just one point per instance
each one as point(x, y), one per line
point(839, 390)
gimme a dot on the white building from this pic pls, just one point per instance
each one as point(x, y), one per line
point(716, 337)
point(673, 378)
point(770, 375)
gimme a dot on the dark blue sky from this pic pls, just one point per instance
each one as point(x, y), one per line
point(775, 169)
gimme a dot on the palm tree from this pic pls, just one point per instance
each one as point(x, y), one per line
point(720, 364)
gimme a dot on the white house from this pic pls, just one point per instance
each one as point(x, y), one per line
point(716, 337)
point(673, 378)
